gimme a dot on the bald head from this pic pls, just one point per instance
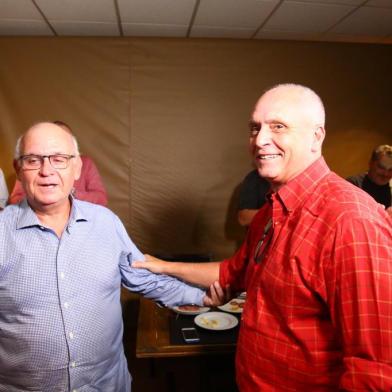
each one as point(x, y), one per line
point(44, 129)
point(302, 98)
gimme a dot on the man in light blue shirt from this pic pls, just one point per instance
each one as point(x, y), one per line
point(62, 262)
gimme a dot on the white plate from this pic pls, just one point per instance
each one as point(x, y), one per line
point(233, 306)
point(194, 312)
point(216, 321)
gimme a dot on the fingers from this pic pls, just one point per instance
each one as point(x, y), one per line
point(144, 263)
point(138, 264)
point(153, 259)
point(216, 295)
point(150, 263)
point(222, 294)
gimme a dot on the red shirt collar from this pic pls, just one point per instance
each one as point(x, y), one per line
point(296, 191)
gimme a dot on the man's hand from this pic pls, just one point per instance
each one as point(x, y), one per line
point(216, 295)
point(153, 264)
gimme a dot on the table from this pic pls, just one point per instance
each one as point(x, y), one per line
point(153, 336)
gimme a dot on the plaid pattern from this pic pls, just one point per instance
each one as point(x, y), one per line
point(318, 315)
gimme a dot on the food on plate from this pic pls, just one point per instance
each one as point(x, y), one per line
point(209, 322)
point(189, 308)
point(236, 305)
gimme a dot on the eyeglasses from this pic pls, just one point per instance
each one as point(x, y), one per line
point(33, 162)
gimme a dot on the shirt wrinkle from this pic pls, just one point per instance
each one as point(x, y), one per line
point(310, 319)
point(60, 312)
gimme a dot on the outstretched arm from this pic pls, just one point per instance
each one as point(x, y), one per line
point(201, 274)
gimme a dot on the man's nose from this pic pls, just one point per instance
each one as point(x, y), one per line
point(46, 167)
point(263, 137)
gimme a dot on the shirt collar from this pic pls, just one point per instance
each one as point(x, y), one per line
point(77, 213)
point(295, 192)
point(27, 217)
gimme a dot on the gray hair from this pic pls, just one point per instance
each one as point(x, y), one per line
point(380, 151)
point(17, 152)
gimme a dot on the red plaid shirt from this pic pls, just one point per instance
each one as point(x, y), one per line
point(318, 315)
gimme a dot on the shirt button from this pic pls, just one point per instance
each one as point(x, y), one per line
point(62, 275)
point(66, 305)
point(71, 335)
point(73, 364)
point(74, 390)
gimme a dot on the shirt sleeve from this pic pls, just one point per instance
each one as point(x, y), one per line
point(164, 289)
point(232, 271)
point(93, 190)
point(360, 298)
point(237, 270)
point(356, 180)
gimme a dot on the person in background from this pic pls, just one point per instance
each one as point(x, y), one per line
point(316, 264)
point(252, 197)
point(377, 181)
point(62, 263)
point(3, 191)
point(89, 187)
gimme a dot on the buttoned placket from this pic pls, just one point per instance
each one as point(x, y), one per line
point(66, 304)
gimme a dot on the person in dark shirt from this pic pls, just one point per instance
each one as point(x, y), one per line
point(252, 197)
point(376, 182)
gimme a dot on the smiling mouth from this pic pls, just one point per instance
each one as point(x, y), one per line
point(267, 157)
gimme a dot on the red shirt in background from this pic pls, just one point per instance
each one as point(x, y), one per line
point(89, 187)
point(318, 314)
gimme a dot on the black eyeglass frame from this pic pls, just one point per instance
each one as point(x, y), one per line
point(58, 166)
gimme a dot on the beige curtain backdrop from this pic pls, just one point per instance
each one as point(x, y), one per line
point(165, 120)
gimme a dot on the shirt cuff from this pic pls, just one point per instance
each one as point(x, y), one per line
point(193, 296)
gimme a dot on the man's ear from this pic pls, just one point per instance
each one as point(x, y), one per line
point(318, 138)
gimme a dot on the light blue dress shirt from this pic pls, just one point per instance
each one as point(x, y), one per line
point(61, 325)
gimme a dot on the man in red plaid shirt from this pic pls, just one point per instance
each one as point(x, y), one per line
point(316, 264)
